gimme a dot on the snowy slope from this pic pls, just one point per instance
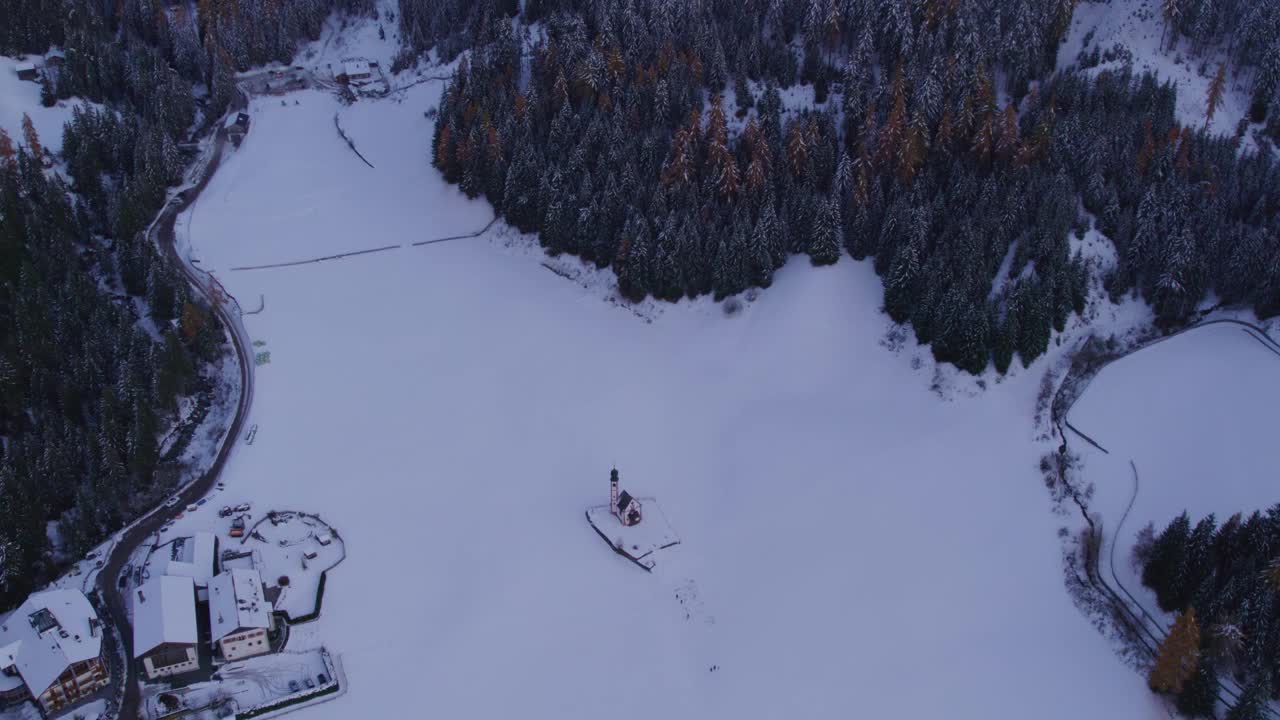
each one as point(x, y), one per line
point(19, 96)
point(851, 544)
point(1137, 26)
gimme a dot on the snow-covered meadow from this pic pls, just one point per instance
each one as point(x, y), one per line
point(1194, 414)
point(851, 542)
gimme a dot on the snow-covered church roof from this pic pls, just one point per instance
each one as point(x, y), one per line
point(164, 611)
point(48, 633)
point(236, 602)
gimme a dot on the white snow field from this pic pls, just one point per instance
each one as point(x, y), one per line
point(852, 545)
point(1195, 415)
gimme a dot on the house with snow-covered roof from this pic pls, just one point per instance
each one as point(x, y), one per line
point(164, 626)
point(194, 557)
point(26, 71)
point(239, 614)
point(357, 70)
point(50, 650)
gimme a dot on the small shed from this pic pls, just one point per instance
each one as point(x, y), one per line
point(26, 71)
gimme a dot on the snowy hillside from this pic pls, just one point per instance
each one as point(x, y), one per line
point(848, 539)
point(1136, 27)
point(23, 96)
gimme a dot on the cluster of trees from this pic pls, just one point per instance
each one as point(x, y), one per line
point(1248, 31)
point(85, 383)
point(1224, 581)
point(611, 138)
point(100, 335)
point(152, 52)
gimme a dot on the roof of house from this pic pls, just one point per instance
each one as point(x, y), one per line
point(25, 67)
point(192, 557)
point(9, 658)
point(356, 67)
point(236, 602)
point(47, 634)
point(164, 611)
point(624, 500)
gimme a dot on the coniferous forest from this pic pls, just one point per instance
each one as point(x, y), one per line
point(101, 337)
point(1224, 580)
point(655, 138)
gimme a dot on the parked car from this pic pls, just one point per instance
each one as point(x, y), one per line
point(310, 683)
point(237, 527)
point(225, 511)
point(243, 507)
point(202, 501)
point(171, 501)
point(322, 679)
point(293, 686)
point(192, 507)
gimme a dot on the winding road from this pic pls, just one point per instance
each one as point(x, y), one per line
point(120, 641)
point(113, 600)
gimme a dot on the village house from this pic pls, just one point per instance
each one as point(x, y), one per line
point(195, 557)
point(50, 650)
point(357, 70)
point(26, 71)
point(239, 614)
point(164, 626)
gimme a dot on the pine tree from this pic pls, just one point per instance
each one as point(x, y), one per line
point(889, 143)
point(742, 96)
point(1216, 89)
point(1164, 572)
point(7, 150)
point(825, 248)
point(34, 148)
point(1178, 655)
point(1252, 704)
point(723, 167)
point(1170, 12)
point(1199, 696)
point(798, 149)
